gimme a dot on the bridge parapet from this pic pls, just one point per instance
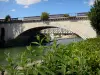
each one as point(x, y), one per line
point(50, 20)
point(58, 19)
point(13, 21)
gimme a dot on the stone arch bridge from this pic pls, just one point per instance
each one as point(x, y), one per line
point(78, 25)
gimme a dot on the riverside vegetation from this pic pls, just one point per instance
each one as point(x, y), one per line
point(81, 58)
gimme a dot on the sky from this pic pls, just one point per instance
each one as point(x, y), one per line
point(25, 8)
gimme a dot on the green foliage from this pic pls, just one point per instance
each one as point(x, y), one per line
point(94, 16)
point(82, 58)
point(7, 18)
point(44, 16)
point(65, 15)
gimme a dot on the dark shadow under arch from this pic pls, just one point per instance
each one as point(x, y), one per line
point(34, 30)
point(28, 36)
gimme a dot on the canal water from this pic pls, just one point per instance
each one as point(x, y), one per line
point(14, 51)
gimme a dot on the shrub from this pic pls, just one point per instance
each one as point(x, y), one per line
point(7, 18)
point(44, 16)
point(94, 16)
point(82, 58)
point(66, 15)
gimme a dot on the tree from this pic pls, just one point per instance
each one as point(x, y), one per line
point(7, 18)
point(94, 16)
point(65, 15)
point(44, 16)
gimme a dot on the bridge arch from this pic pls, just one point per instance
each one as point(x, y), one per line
point(35, 31)
point(80, 27)
point(28, 36)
